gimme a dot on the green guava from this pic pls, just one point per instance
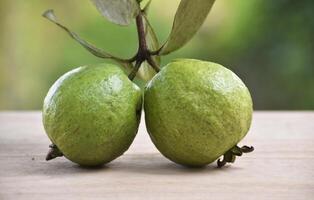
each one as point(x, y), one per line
point(92, 114)
point(196, 111)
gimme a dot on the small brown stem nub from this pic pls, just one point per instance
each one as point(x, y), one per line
point(53, 152)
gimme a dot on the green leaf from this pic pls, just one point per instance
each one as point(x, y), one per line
point(118, 11)
point(49, 14)
point(144, 4)
point(188, 19)
point(146, 72)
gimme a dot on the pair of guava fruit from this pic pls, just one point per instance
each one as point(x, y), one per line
point(195, 112)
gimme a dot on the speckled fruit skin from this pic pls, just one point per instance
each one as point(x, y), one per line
point(195, 111)
point(92, 114)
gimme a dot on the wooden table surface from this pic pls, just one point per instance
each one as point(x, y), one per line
point(281, 167)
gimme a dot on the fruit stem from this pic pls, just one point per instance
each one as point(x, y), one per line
point(143, 53)
point(141, 35)
point(134, 71)
point(53, 152)
point(230, 155)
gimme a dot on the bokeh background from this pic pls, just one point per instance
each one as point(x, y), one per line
point(269, 44)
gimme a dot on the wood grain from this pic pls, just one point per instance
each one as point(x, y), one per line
point(281, 167)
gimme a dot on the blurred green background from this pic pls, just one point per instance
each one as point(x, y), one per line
point(269, 44)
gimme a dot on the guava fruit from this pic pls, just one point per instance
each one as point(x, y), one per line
point(197, 111)
point(91, 114)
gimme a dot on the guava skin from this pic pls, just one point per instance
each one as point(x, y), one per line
point(195, 111)
point(92, 114)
